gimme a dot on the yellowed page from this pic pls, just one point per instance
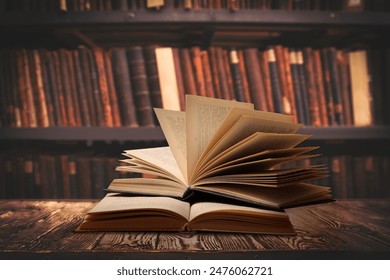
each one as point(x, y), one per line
point(244, 128)
point(161, 157)
point(204, 116)
point(173, 124)
point(147, 186)
point(167, 79)
point(289, 196)
point(205, 207)
point(115, 203)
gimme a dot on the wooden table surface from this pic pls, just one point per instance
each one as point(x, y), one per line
point(345, 229)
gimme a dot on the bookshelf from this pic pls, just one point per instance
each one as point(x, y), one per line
point(197, 27)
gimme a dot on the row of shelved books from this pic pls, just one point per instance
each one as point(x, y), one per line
point(120, 86)
point(56, 175)
point(233, 5)
point(81, 175)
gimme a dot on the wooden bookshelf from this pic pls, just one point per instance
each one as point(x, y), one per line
point(155, 133)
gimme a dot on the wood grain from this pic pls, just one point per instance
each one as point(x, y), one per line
point(337, 230)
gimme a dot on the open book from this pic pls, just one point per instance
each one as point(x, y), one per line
point(228, 149)
point(124, 213)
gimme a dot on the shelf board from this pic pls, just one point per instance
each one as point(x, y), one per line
point(155, 133)
point(206, 16)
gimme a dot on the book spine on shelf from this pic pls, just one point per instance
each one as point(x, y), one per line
point(186, 66)
point(153, 77)
point(74, 89)
point(140, 86)
point(275, 81)
point(215, 72)
point(237, 80)
point(123, 87)
point(208, 78)
point(179, 78)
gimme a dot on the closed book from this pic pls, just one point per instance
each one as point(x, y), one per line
point(139, 81)
point(215, 72)
point(236, 74)
point(198, 70)
point(73, 181)
point(153, 76)
point(103, 87)
point(243, 74)
point(376, 64)
point(297, 86)
point(60, 89)
point(48, 58)
point(188, 71)
point(29, 103)
point(361, 97)
point(255, 80)
point(303, 86)
point(225, 56)
point(289, 84)
point(345, 86)
point(314, 107)
point(46, 88)
point(275, 81)
point(68, 87)
point(88, 85)
point(282, 74)
point(335, 85)
point(167, 79)
point(179, 77)
point(14, 93)
point(111, 91)
point(75, 94)
point(222, 74)
point(6, 107)
point(65, 178)
point(208, 78)
point(320, 87)
point(263, 60)
point(123, 87)
point(328, 87)
point(81, 89)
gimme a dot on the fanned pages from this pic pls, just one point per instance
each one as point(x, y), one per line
point(224, 170)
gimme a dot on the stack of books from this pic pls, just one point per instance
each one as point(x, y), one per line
point(222, 171)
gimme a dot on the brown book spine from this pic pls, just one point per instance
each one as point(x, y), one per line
point(53, 96)
point(123, 87)
point(275, 81)
point(152, 74)
point(320, 87)
point(199, 76)
point(86, 72)
point(75, 95)
point(46, 88)
point(225, 57)
point(6, 107)
point(263, 61)
point(43, 118)
point(81, 89)
point(215, 72)
point(66, 81)
point(179, 78)
point(112, 92)
point(60, 79)
point(186, 66)
point(187, 4)
point(30, 104)
point(237, 80)
point(120, 5)
point(208, 78)
point(245, 84)
point(327, 87)
point(303, 87)
point(281, 66)
point(140, 86)
point(335, 85)
point(14, 94)
point(314, 107)
point(222, 75)
point(255, 80)
point(65, 176)
point(104, 94)
point(289, 83)
point(21, 89)
point(345, 87)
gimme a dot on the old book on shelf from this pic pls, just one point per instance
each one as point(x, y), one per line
point(226, 149)
point(124, 213)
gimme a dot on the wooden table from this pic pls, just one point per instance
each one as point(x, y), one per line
point(347, 229)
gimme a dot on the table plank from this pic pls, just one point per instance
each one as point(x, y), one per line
point(341, 229)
